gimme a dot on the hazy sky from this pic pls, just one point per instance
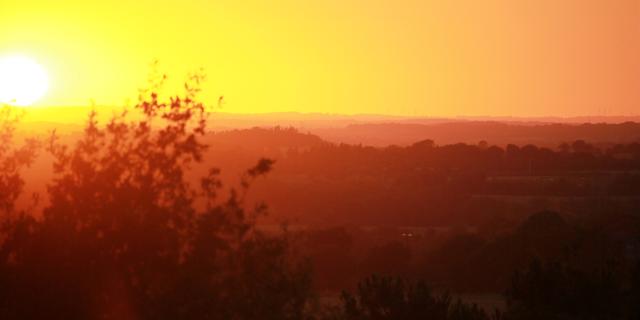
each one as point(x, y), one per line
point(438, 58)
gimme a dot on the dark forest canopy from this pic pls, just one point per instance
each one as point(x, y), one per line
point(428, 183)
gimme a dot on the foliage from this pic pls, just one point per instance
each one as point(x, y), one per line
point(380, 298)
point(555, 290)
point(127, 236)
point(12, 160)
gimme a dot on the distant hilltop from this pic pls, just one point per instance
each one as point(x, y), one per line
point(78, 114)
point(472, 132)
point(384, 130)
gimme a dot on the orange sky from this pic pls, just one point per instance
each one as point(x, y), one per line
point(410, 57)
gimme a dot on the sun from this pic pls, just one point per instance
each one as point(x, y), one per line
point(22, 81)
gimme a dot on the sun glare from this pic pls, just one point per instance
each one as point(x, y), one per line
point(22, 81)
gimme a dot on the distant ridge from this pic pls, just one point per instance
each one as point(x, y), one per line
point(500, 133)
point(76, 114)
point(383, 130)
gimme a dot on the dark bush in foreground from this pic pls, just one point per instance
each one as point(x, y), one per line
point(392, 298)
point(125, 236)
point(555, 290)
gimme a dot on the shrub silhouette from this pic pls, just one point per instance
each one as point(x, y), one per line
point(125, 236)
point(555, 290)
point(12, 160)
point(393, 298)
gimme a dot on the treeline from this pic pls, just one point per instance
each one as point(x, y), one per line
point(427, 184)
point(544, 133)
point(471, 260)
point(330, 160)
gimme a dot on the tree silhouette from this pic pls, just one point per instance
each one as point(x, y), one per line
point(386, 297)
point(12, 160)
point(126, 236)
point(554, 290)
